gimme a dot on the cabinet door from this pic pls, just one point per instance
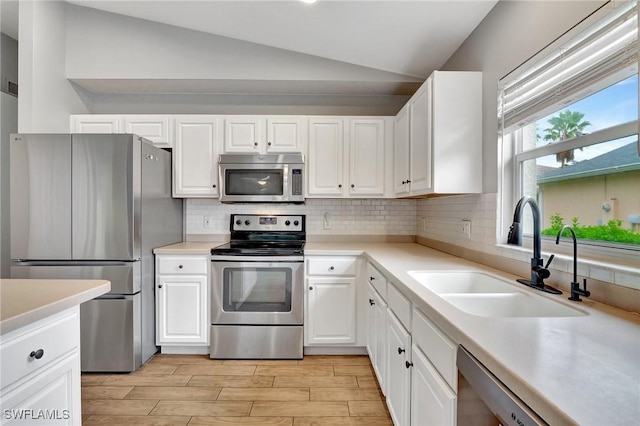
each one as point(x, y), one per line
point(366, 157)
point(54, 391)
point(195, 157)
point(95, 123)
point(376, 335)
point(420, 149)
point(156, 128)
point(331, 310)
point(326, 153)
point(401, 176)
point(181, 309)
point(244, 134)
point(399, 370)
point(432, 401)
point(286, 134)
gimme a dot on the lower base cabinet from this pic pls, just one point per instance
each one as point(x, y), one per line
point(399, 370)
point(432, 401)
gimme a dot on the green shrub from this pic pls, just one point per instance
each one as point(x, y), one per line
point(612, 231)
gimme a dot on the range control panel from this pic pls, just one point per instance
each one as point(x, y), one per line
point(262, 223)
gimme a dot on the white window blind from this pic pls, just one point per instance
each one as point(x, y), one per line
point(604, 49)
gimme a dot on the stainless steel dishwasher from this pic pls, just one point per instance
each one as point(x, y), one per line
point(485, 400)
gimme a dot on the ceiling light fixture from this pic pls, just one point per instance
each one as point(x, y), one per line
point(308, 1)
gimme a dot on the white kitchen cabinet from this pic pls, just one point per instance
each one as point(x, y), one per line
point(445, 137)
point(155, 128)
point(264, 135)
point(195, 156)
point(401, 176)
point(432, 401)
point(96, 123)
point(346, 157)
point(41, 370)
point(182, 300)
point(398, 370)
point(331, 314)
point(377, 335)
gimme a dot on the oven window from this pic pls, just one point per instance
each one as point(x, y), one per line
point(257, 289)
point(254, 182)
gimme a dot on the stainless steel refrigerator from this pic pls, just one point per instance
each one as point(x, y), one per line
point(95, 206)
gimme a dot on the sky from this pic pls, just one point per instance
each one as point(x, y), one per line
point(613, 105)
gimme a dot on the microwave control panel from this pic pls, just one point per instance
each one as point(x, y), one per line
point(296, 181)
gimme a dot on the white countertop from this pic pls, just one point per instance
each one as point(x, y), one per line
point(25, 301)
point(570, 370)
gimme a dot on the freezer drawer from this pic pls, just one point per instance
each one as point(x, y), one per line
point(110, 334)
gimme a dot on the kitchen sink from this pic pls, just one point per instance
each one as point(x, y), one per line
point(510, 305)
point(462, 282)
point(485, 295)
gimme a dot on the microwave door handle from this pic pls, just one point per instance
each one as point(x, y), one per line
point(286, 181)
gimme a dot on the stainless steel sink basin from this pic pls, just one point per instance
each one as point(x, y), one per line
point(482, 294)
point(462, 282)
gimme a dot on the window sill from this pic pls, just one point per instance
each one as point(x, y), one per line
point(619, 267)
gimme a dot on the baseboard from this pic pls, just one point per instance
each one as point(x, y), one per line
point(335, 350)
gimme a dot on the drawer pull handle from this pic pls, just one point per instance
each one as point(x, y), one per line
point(159, 285)
point(408, 364)
point(310, 288)
point(372, 302)
point(400, 350)
point(331, 268)
point(37, 354)
point(180, 266)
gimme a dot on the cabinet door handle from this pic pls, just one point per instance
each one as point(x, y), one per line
point(400, 350)
point(408, 181)
point(404, 181)
point(372, 302)
point(180, 266)
point(269, 143)
point(37, 354)
point(372, 278)
point(331, 268)
point(310, 288)
point(159, 285)
point(353, 186)
point(214, 185)
point(340, 185)
point(408, 364)
point(255, 144)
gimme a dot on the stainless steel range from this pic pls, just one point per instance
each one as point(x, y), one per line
point(257, 289)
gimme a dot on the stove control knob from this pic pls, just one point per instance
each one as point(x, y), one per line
point(247, 222)
point(286, 222)
point(238, 222)
point(296, 223)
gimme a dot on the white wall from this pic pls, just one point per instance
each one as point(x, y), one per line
point(46, 97)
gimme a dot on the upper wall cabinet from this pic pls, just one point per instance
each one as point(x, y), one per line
point(195, 156)
point(347, 157)
point(156, 128)
point(442, 126)
point(259, 135)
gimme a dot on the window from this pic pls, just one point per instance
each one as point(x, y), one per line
point(569, 123)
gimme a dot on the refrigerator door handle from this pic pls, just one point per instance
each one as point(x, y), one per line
point(23, 262)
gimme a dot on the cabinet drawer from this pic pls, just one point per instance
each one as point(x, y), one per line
point(331, 266)
point(182, 265)
point(440, 350)
point(400, 305)
point(56, 336)
point(377, 280)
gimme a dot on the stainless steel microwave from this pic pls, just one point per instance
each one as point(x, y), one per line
point(270, 178)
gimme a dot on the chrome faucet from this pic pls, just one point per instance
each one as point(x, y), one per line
point(576, 291)
point(538, 272)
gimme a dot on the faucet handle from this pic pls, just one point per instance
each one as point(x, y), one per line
point(549, 261)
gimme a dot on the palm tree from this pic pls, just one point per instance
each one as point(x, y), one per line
point(566, 125)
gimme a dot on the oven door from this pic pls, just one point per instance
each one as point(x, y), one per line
point(257, 292)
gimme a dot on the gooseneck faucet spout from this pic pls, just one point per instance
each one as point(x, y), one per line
point(576, 291)
point(538, 271)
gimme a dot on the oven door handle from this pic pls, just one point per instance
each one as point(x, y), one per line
point(258, 259)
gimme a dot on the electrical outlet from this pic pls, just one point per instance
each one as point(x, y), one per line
point(424, 224)
point(466, 228)
point(208, 221)
point(326, 222)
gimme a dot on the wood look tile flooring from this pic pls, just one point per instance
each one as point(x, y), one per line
point(195, 390)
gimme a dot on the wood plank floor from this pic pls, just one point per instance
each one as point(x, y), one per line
point(195, 390)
